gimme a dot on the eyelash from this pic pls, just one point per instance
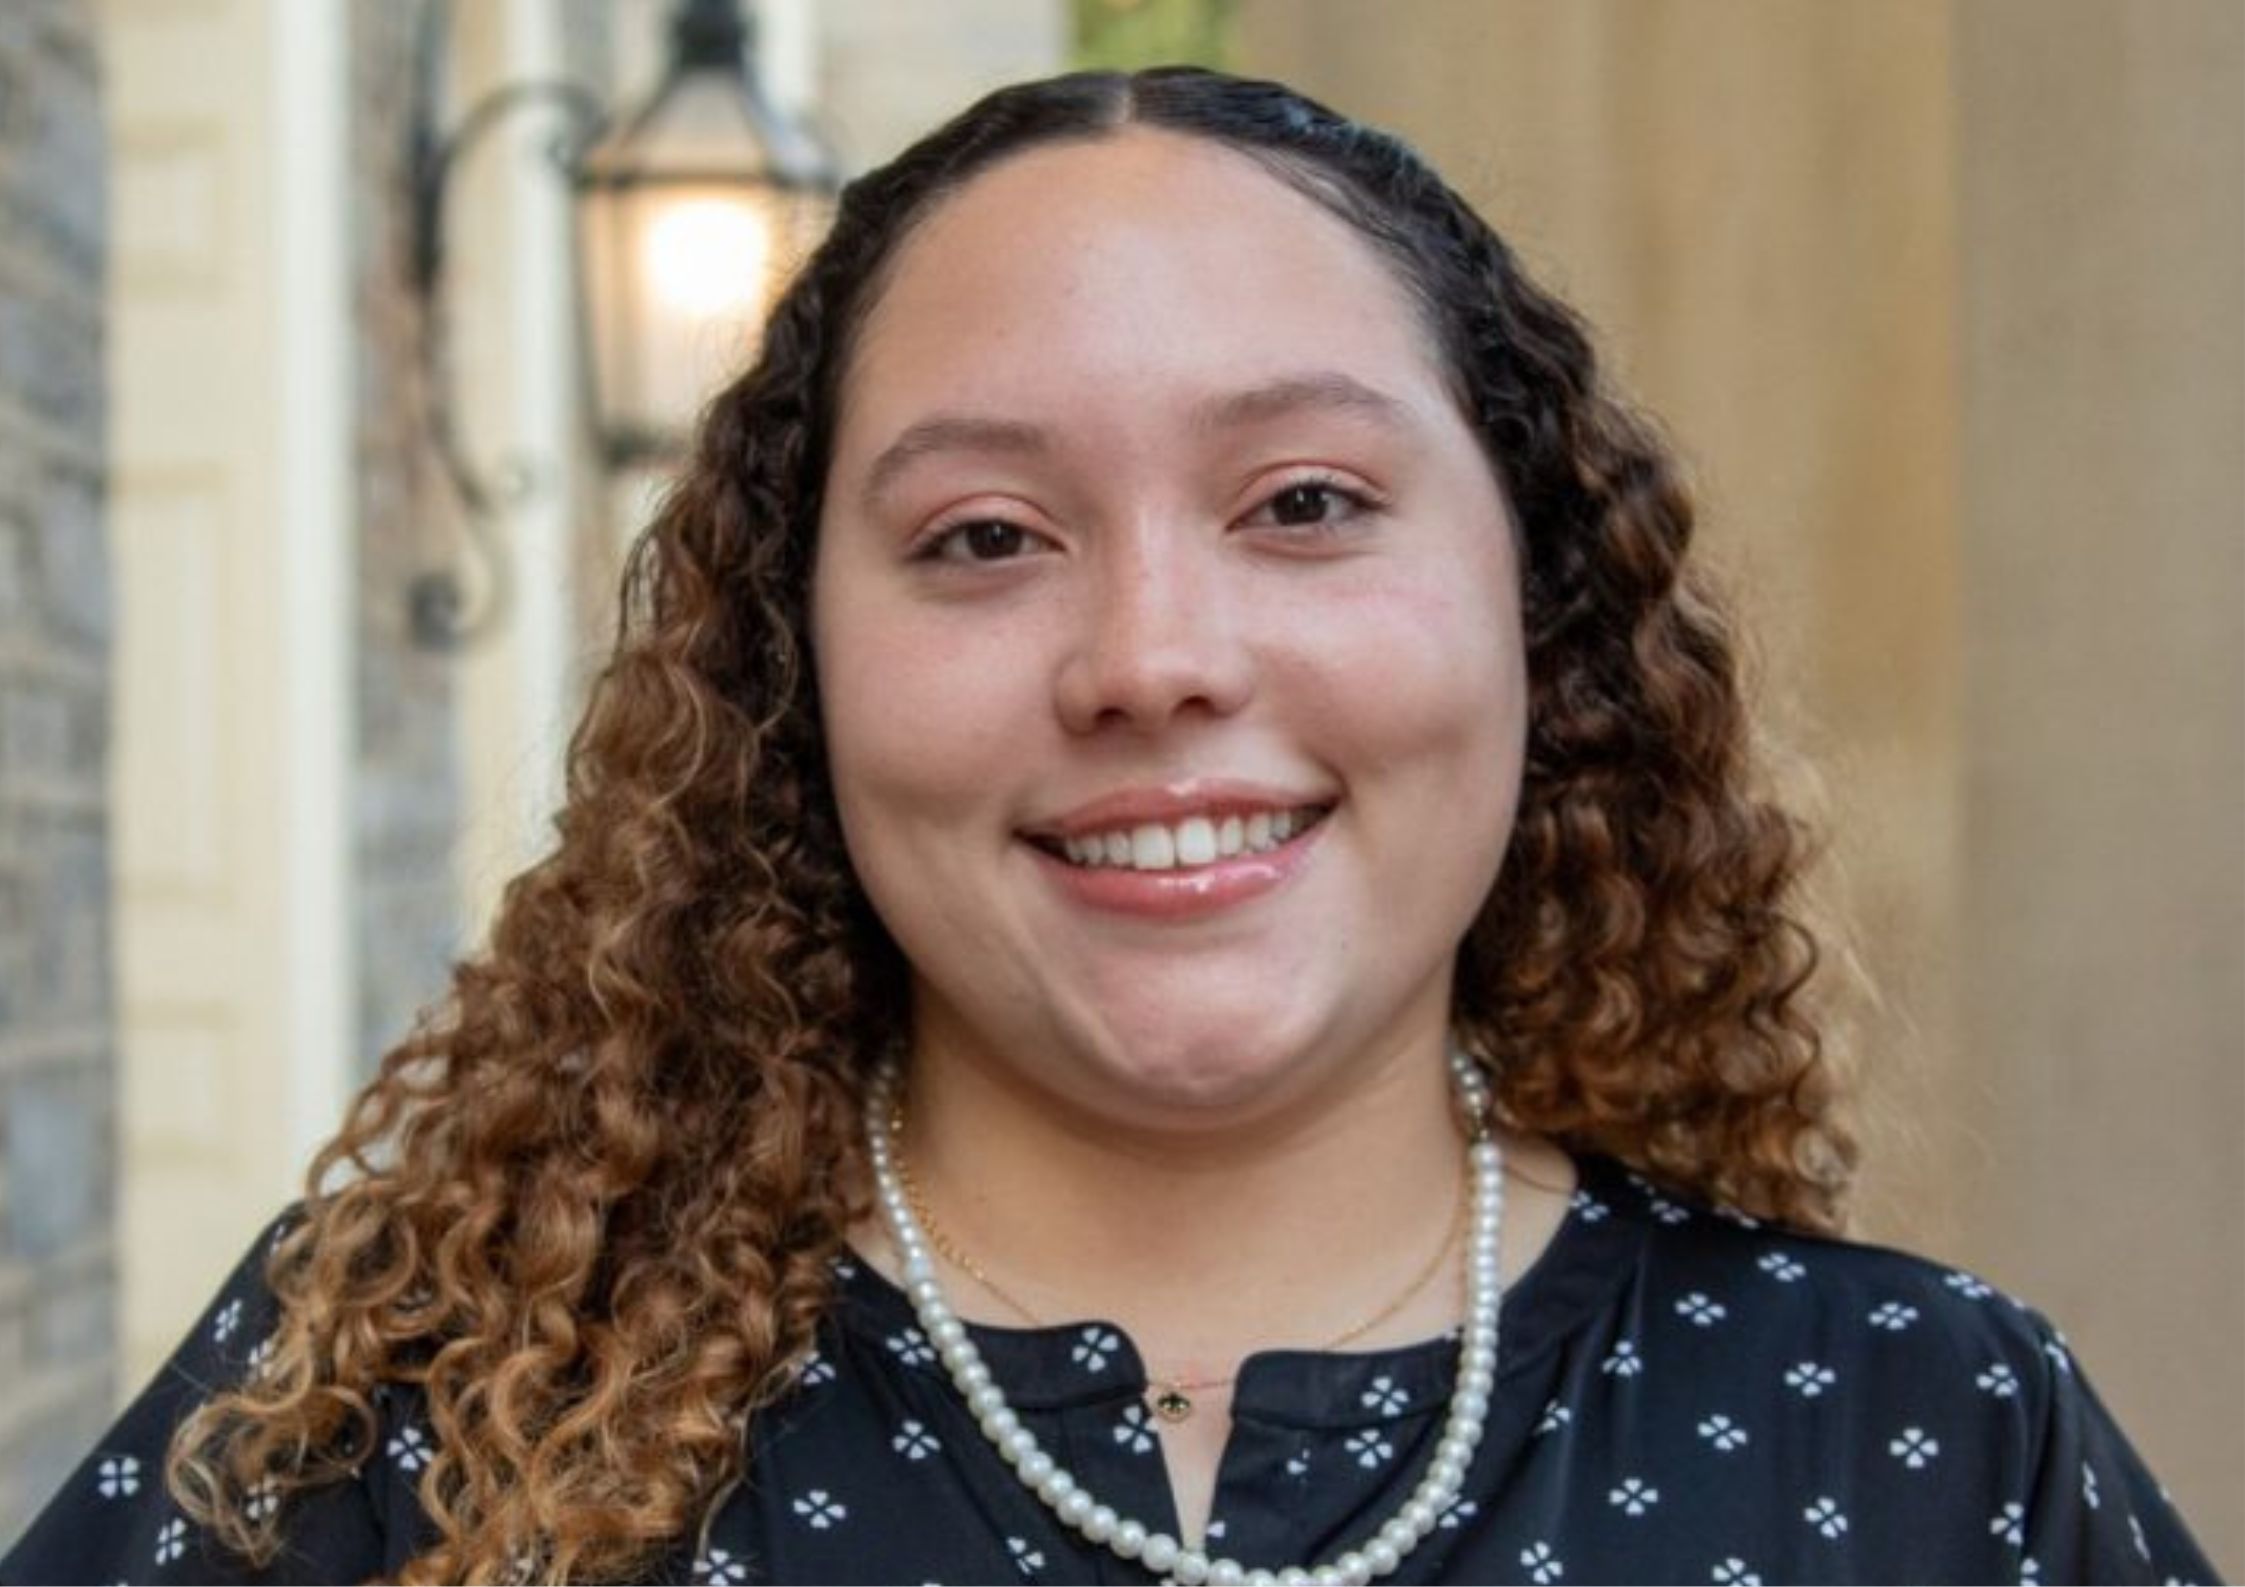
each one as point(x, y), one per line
point(936, 547)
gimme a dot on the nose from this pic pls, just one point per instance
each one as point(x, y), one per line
point(1161, 637)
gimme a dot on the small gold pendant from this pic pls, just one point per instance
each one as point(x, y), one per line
point(1171, 1403)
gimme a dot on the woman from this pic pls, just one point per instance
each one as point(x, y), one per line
point(1159, 959)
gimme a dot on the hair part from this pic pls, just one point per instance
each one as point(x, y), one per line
point(588, 1210)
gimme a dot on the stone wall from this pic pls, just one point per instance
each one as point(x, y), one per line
point(58, 1072)
point(407, 794)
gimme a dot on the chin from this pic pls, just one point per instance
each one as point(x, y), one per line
point(1215, 1079)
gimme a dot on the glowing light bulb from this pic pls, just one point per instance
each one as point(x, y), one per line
point(707, 256)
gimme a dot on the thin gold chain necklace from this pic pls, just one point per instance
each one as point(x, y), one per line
point(1169, 1398)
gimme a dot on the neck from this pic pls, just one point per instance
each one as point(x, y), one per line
point(1284, 1230)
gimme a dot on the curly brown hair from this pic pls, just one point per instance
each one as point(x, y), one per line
point(590, 1208)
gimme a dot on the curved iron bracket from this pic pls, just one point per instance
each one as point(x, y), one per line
point(442, 613)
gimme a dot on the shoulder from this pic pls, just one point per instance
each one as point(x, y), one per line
point(117, 1517)
point(1938, 1425)
point(1837, 1304)
point(231, 1341)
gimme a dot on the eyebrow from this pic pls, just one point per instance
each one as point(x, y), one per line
point(1320, 391)
point(1324, 390)
point(953, 432)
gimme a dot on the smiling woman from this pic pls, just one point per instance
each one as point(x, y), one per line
point(1170, 526)
point(1164, 961)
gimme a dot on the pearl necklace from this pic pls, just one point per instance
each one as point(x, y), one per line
point(1381, 1554)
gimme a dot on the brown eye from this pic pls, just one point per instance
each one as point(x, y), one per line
point(990, 540)
point(1302, 504)
point(1315, 504)
point(980, 540)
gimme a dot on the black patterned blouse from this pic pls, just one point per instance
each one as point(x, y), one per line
point(1683, 1396)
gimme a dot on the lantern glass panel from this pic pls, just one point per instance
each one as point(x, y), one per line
point(688, 232)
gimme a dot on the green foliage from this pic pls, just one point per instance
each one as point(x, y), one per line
point(1124, 35)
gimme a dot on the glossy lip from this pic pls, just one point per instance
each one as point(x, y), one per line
point(1214, 797)
point(1183, 895)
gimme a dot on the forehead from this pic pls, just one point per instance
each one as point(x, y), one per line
point(1143, 263)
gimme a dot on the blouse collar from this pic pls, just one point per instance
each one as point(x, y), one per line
point(1093, 1361)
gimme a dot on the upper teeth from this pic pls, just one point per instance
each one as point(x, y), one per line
point(1196, 840)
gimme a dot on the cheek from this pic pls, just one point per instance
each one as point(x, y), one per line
point(1428, 674)
point(916, 720)
point(922, 723)
point(1441, 746)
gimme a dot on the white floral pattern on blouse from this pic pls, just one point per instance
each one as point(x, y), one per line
point(1656, 1352)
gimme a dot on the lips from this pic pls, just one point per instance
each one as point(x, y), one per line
point(1182, 851)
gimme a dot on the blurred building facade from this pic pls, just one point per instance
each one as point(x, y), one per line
point(212, 415)
point(1942, 301)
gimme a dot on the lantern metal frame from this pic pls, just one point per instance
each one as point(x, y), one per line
point(591, 150)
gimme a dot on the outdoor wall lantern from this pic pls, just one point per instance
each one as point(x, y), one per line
point(690, 212)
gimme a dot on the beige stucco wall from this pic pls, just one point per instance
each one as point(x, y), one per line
point(1945, 303)
point(2101, 287)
